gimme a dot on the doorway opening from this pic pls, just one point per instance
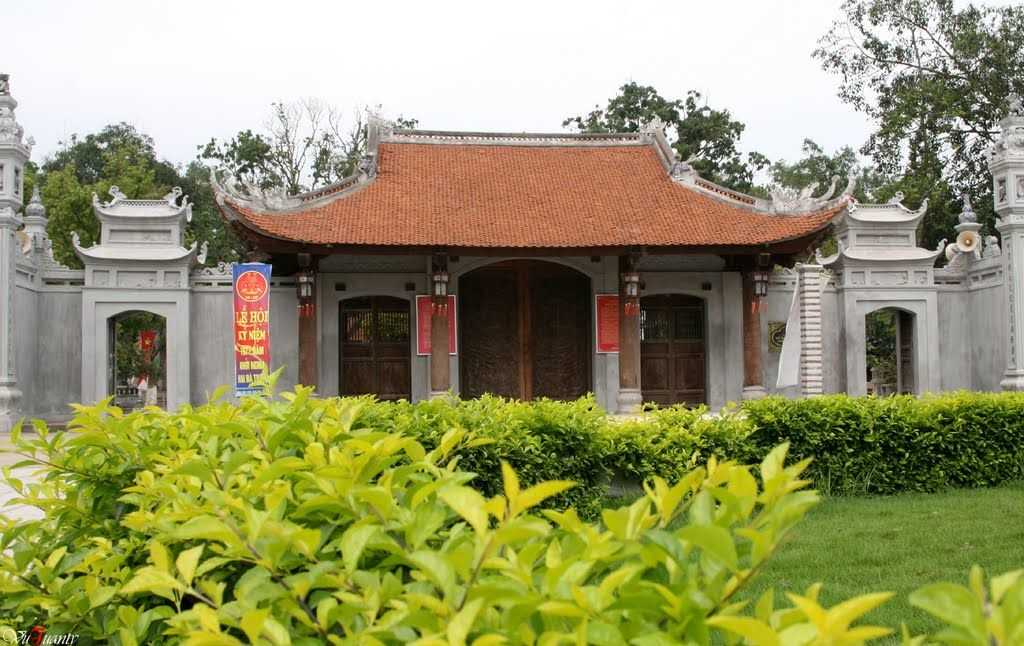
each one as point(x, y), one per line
point(673, 349)
point(137, 362)
point(375, 339)
point(889, 346)
point(525, 329)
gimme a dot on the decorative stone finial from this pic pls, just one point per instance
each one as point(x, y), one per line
point(967, 215)
point(35, 208)
point(11, 131)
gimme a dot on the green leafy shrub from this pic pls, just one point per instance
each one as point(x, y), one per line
point(541, 440)
point(302, 521)
point(668, 442)
point(978, 615)
point(893, 444)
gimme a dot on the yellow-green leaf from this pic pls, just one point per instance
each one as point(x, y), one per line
point(714, 541)
point(538, 493)
point(252, 623)
point(460, 624)
point(469, 504)
point(187, 562)
point(511, 481)
point(753, 630)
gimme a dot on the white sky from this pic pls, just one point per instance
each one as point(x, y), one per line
point(185, 71)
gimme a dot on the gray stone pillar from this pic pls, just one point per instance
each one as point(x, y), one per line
point(10, 395)
point(1006, 162)
point(14, 154)
point(1012, 230)
point(811, 382)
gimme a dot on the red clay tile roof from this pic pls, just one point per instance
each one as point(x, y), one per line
point(470, 195)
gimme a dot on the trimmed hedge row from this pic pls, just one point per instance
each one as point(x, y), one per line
point(860, 445)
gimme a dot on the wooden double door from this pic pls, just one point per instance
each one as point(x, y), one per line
point(525, 331)
point(673, 349)
point(375, 334)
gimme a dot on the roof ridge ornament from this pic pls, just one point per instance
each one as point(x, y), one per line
point(653, 126)
point(244, 191)
point(791, 200)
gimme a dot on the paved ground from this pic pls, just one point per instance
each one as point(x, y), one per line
point(6, 493)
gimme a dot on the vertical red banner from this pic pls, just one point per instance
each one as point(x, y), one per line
point(251, 325)
point(606, 321)
point(423, 314)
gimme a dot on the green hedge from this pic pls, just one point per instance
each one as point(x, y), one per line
point(894, 444)
point(859, 445)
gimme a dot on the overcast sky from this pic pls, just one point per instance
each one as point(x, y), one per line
point(186, 71)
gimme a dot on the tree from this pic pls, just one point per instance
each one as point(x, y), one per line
point(817, 166)
point(304, 145)
point(693, 129)
point(935, 80)
point(119, 155)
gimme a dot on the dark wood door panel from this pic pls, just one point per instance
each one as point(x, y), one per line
point(489, 347)
point(375, 337)
point(673, 349)
point(559, 332)
point(525, 331)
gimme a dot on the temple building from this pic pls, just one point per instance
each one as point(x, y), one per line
point(527, 231)
point(523, 265)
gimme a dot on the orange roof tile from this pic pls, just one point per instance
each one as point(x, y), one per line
point(521, 196)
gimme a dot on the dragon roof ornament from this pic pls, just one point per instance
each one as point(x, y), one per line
point(789, 200)
point(246, 193)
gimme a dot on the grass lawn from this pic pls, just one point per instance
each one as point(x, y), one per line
point(897, 544)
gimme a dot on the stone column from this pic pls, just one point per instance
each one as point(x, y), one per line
point(753, 376)
point(811, 375)
point(1012, 230)
point(1006, 162)
point(440, 377)
point(630, 394)
point(10, 395)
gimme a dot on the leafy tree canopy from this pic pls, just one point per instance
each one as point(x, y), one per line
point(815, 166)
point(303, 145)
point(694, 129)
point(119, 155)
point(935, 79)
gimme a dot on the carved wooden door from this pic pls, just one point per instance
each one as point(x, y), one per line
point(489, 347)
point(525, 331)
point(560, 337)
point(672, 349)
point(375, 333)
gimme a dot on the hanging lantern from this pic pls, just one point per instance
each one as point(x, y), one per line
point(304, 283)
point(761, 277)
point(441, 283)
point(631, 284)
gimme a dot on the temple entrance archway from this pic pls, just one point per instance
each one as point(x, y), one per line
point(137, 359)
point(525, 331)
point(375, 335)
point(890, 351)
point(673, 349)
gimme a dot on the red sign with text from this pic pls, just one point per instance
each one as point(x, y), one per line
point(252, 325)
point(606, 319)
point(423, 312)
